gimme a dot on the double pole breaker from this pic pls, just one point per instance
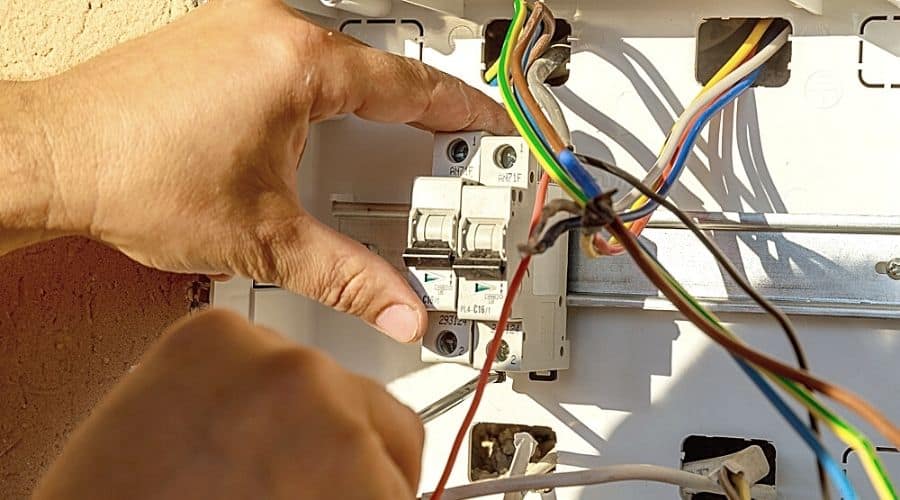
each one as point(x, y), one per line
point(465, 223)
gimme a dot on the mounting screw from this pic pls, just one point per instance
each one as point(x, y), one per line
point(458, 151)
point(890, 268)
point(447, 342)
point(503, 352)
point(505, 157)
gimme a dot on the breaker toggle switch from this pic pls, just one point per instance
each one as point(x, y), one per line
point(482, 255)
point(431, 241)
point(486, 249)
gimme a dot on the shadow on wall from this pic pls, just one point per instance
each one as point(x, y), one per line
point(612, 367)
point(738, 123)
point(629, 354)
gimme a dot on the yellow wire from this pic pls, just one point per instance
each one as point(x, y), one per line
point(517, 25)
point(491, 72)
point(742, 53)
point(847, 437)
point(743, 487)
point(745, 49)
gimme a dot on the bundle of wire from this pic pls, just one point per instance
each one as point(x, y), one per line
point(626, 217)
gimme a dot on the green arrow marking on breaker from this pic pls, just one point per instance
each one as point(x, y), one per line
point(431, 277)
point(482, 288)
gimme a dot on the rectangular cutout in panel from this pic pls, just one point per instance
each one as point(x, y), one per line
point(400, 36)
point(879, 52)
point(701, 449)
point(719, 39)
point(495, 33)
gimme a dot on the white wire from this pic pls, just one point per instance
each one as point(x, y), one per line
point(540, 70)
point(600, 475)
point(700, 103)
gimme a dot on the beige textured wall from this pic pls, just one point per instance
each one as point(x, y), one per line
point(74, 315)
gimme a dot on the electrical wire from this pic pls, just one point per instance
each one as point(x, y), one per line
point(550, 236)
point(543, 155)
point(743, 488)
point(727, 485)
point(641, 210)
point(707, 322)
point(746, 48)
point(717, 106)
point(599, 475)
point(709, 325)
point(700, 103)
point(851, 436)
point(491, 73)
point(537, 74)
point(828, 463)
point(540, 136)
point(543, 42)
point(494, 345)
point(547, 132)
point(783, 321)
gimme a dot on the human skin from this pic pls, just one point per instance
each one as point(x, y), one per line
point(180, 149)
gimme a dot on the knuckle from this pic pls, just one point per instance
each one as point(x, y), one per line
point(425, 79)
point(266, 256)
point(304, 373)
point(355, 435)
point(344, 287)
point(297, 364)
point(208, 326)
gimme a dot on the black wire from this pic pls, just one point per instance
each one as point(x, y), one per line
point(550, 236)
point(723, 261)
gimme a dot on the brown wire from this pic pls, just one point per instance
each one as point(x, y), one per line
point(546, 39)
point(521, 83)
point(726, 264)
point(837, 393)
point(852, 401)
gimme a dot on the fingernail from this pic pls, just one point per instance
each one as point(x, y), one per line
point(398, 321)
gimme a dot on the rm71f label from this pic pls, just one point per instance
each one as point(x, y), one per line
point(510, 178)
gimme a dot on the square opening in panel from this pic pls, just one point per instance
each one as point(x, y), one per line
point(491, 447)
point(495, 33)
point(699, 454)
point(719, 39)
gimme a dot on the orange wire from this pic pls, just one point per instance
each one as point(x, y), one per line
point(604, 247)
point(494, 346)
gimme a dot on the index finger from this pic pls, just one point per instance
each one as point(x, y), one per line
point(384, 87)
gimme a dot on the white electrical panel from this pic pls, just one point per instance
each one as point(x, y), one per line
point(464, 227)
point(796, 181)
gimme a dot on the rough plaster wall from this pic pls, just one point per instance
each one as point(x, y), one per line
point(74, 314)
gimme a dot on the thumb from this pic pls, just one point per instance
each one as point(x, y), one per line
point(314, 260)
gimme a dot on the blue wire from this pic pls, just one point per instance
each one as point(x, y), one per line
point(828, 462)
point(568, 161)
point(579, 174)
point(690, 140)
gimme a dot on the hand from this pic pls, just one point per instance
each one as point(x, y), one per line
point(222, 409)
point(181, 148)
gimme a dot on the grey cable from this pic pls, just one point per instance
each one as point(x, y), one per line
point(542, 68)
point(600, 475)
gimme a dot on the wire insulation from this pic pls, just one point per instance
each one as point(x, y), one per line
point(600, 475)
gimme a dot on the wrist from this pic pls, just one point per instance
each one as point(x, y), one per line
point(42, 195)
point(27, 190)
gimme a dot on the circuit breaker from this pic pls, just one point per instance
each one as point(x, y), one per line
point(465, 224)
